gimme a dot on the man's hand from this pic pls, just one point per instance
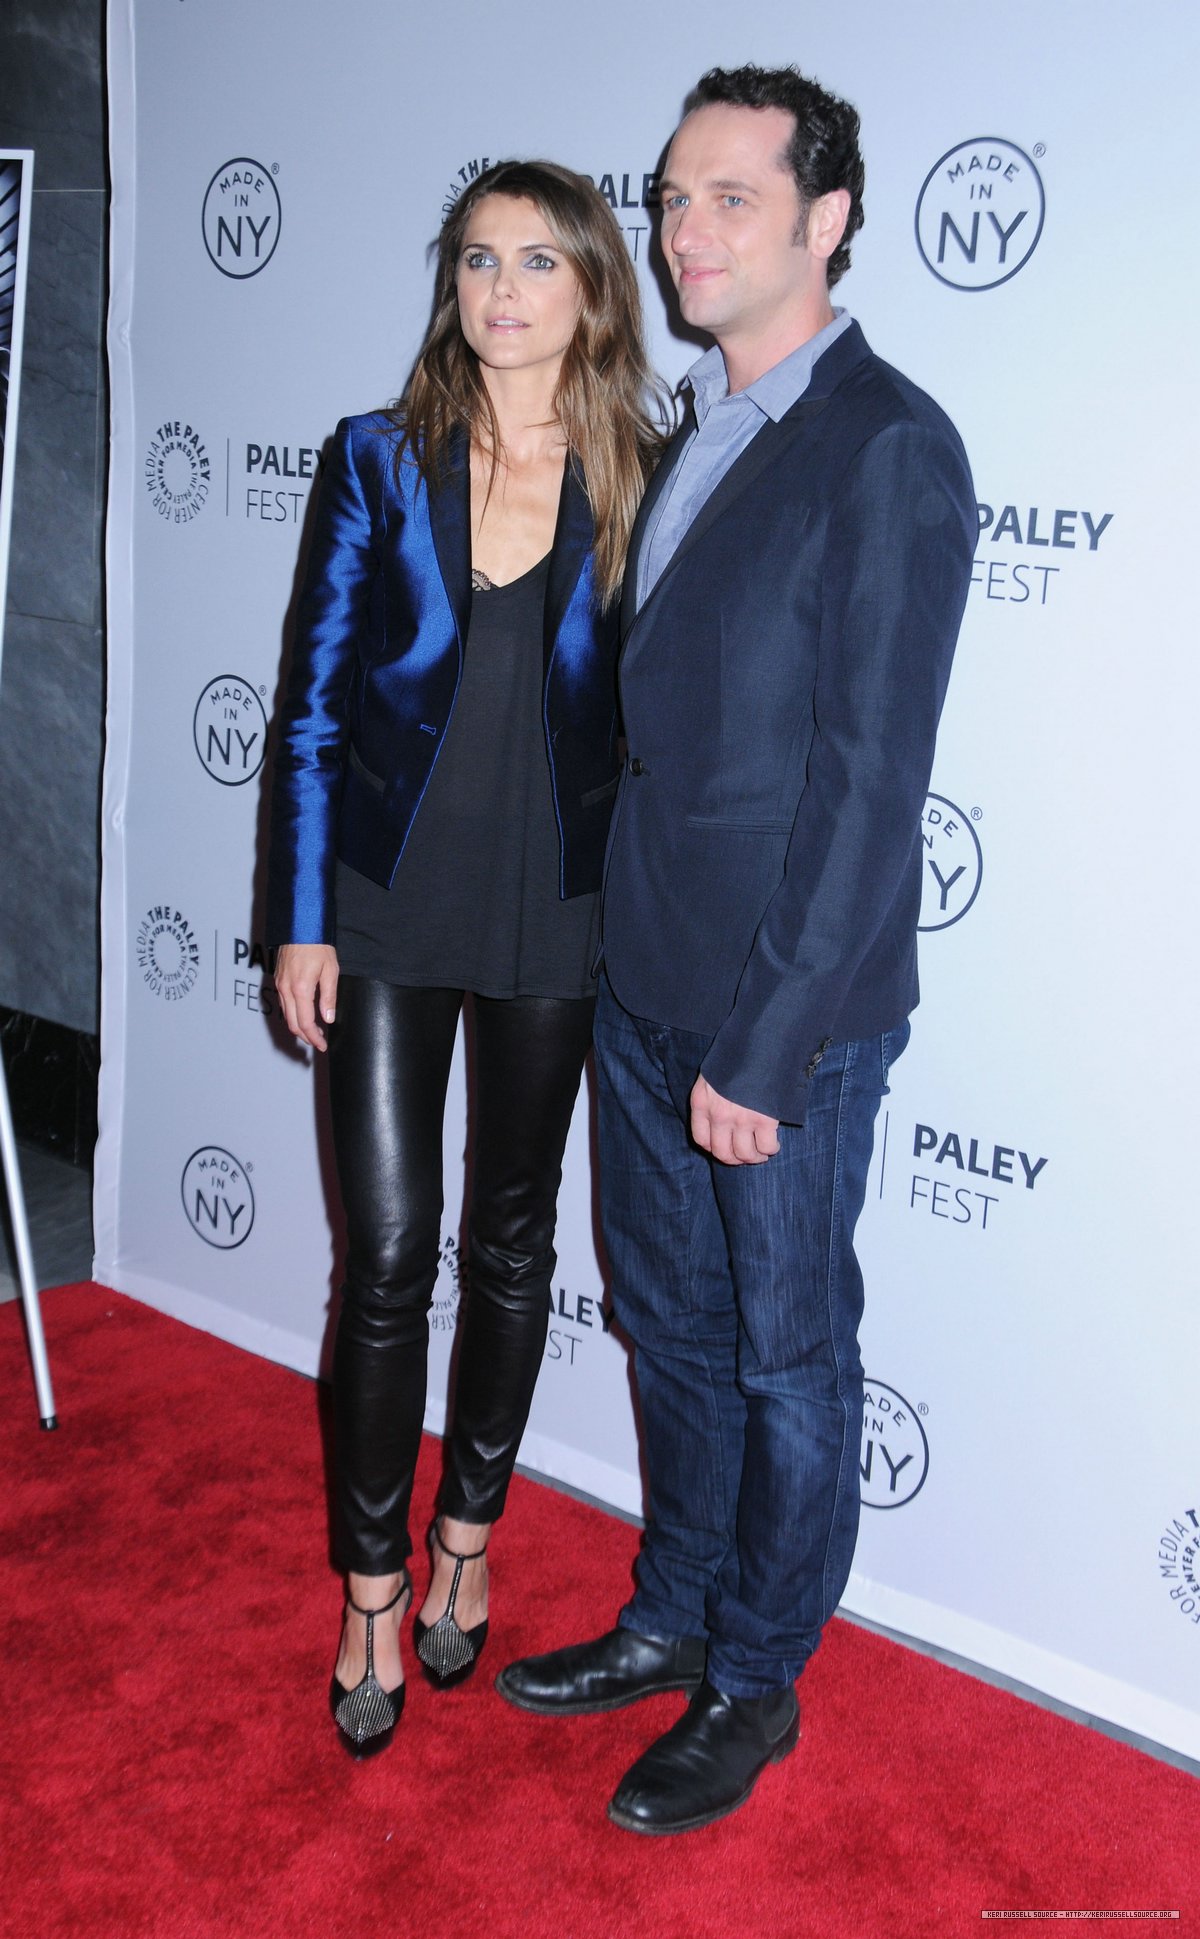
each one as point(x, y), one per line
point(731, 1133)
point(306, 977)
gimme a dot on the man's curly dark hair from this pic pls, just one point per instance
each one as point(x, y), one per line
point(823, 154)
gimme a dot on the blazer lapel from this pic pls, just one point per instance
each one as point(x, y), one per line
point(572, 538)
point(450, 524)
point(828, 372)
point(764, 446)
point(654, 491)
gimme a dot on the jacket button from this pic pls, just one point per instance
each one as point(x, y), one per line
point(636, 766)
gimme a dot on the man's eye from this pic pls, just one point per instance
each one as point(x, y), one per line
point(674, 201)
point(733, 201)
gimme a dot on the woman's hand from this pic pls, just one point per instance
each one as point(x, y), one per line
point(306, 977)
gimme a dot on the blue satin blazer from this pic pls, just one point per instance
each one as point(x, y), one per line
point(378, 659)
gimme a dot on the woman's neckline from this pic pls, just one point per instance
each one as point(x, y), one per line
point(481, 583)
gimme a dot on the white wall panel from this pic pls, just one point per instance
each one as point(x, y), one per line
point(1033, 1338)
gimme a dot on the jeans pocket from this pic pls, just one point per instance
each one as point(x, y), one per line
point(892, 1045)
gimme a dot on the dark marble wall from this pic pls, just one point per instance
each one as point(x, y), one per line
point(51, 688)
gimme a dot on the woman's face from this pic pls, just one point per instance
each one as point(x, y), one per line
point(518, 296)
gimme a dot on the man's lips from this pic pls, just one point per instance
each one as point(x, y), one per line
point(698, 273)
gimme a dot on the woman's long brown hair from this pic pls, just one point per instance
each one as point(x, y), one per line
point(605, 387)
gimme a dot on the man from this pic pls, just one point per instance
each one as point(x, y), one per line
point(796, 581)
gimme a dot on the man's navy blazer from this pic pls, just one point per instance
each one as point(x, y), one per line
point(781, 687)
point(376, 668)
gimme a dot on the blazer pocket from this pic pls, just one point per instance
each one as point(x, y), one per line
point(594, 795)
point(771, 827)
point(364, 772)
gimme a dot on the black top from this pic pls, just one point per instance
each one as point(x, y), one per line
point(474, 903)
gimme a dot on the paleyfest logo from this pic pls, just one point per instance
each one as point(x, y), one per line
point(461, 179)
point(177, 472)
point(980, 213)
point(242, 217)
point(951, 863)
point(217, 1197)
point(1021, 547)
point(894, 1457)
point(630, 194)
point(574, 1310)
point(1179, 1563)
point(168, 954)
point(229, 730)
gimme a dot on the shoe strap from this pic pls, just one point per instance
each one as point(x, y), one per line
point(370, 1614)
point(405, 1587)
point(453, 1553)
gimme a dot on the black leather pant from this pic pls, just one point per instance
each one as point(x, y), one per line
point(389, 1065)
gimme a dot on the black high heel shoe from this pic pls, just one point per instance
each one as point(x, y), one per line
point(448, 1654)
point(367, 1716)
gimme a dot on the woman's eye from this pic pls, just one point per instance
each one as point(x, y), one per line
point(476, 258)
point(542, 262)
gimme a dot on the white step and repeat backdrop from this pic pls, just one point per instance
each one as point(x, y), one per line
point(1029, 1444)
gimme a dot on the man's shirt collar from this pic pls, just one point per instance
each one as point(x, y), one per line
point(774, 393)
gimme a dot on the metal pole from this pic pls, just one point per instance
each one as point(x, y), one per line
point(29, 1291)
point(16, 192)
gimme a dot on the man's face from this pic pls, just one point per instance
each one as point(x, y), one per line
point(731, 217)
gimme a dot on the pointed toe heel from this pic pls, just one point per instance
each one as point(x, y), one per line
point(367, 1715)
point(447, 1653)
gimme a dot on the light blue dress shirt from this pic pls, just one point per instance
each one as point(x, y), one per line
point(724, 427)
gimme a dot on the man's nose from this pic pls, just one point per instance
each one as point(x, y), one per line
point(689, 231)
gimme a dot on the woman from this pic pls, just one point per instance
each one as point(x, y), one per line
point(445, 775)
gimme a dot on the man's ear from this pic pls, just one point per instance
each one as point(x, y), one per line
point(827, 219)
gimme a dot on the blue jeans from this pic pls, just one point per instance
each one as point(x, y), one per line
point(740, 1292)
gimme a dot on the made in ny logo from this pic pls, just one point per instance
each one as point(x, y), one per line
point(980, 213)
point(168, 955)
point(229, 730)
point(177, 472)
point(217, 1197)
point(242, 217)
point(894, 1457)
point(951, 863)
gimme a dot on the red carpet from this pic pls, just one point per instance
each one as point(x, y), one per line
point(170, 1769)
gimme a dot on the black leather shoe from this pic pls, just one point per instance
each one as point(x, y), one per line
point(618, 1668)
point(708, 1763)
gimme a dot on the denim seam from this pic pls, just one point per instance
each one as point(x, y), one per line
point(656, 1050)
point(692, 1328)
point(833, 1337)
